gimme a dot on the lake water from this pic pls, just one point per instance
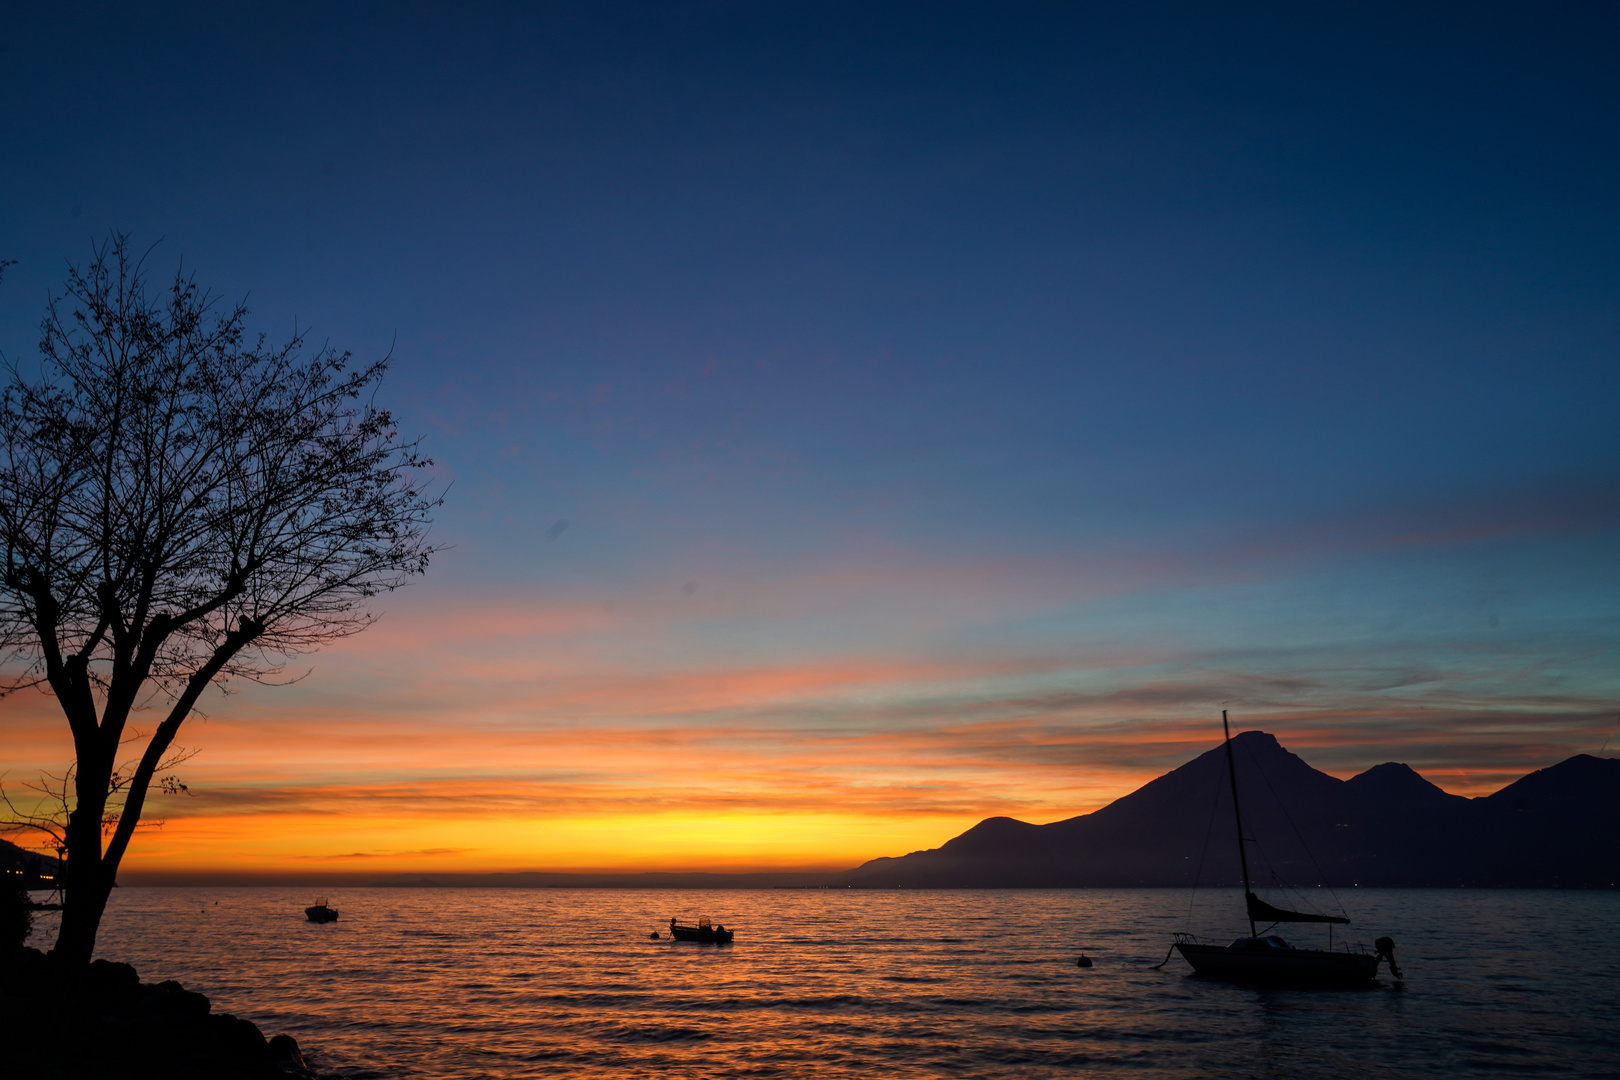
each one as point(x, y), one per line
point(506, 983)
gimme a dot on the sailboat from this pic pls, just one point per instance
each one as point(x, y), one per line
point(1265, 956)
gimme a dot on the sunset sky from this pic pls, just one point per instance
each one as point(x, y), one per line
point(862, 419)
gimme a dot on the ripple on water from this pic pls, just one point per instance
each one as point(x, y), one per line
point(474, 985)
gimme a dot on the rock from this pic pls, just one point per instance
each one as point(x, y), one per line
point(283, 1050)
point(169, 998)
point(99, 1020)
point(110, 973)
point(240, 1038)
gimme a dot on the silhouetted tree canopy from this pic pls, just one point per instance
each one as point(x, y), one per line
point(181, 503)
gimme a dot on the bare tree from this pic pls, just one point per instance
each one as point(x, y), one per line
point(181, 504)
point(44, 812)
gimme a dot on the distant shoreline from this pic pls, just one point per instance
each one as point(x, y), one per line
point(734, 881)
point(512, 880)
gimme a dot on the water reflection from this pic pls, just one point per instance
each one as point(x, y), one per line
point(507, 983)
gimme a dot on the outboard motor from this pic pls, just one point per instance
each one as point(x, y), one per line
point(1386, 951)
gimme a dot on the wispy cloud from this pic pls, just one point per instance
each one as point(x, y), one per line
point(384, 853)
point(844, 713)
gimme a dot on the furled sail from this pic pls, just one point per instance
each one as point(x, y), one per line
point(1262, 912)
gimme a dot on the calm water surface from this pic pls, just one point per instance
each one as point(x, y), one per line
point(504, 983)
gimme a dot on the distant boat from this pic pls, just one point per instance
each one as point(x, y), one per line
point(1266, 956)
point(716, 934)
point(320, 912)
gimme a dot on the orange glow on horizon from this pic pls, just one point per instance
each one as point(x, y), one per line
point(464, 739)
point(673, 842)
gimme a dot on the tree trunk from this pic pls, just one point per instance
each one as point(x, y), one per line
point(82, 909)
point(86, 887)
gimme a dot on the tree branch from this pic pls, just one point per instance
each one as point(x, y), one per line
point(141, 782)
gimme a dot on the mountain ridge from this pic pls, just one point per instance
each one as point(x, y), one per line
point(1389, 826)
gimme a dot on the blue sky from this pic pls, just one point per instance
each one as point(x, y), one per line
point(1085, 368)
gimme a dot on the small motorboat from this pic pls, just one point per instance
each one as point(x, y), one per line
point(703, 931)
point(320, 912)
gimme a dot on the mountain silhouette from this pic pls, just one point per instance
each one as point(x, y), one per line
point(1388, 826)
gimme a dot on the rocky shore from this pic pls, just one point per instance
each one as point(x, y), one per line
point(100, 1021)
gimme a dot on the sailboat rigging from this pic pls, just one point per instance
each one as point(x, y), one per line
point(1268, 956)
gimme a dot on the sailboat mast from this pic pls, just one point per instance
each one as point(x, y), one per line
point(1243, 856)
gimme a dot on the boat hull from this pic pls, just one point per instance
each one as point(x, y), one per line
point(1279, 965)
point(690, 933)
point(320, 913)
